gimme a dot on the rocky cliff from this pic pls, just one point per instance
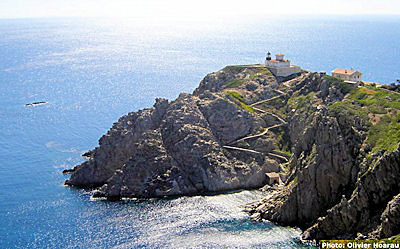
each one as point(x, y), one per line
point(176, 148)
point(341, 176)
point(334, 144)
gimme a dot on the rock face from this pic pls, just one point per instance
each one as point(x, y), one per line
point(390, 219)
point(323, 165)
point(335, 146)
point(336, 187)
point(176, 148)
point(362, 213)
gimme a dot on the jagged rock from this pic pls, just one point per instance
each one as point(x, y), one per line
point(116, 146)
point(251, 86)
point(323, 165)
point(273, 166)
point(175, 148)
point(391, 219)
point(226, 120)
point(362, 212)
point(67, 171)
point(330, 191)
point(258, 84)
point(335, 187)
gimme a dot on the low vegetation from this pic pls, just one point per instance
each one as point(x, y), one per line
point(378, 107)
point(385, 135)
point(301, 102)
point(393, 87)
point(239, 100)
point(381, 109)
point(283, 141)
point(339, 84)
point(235, 83)
point(253, 73)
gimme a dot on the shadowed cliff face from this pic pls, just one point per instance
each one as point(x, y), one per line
point(334, 144)
point(363, 215)
point(339, 182)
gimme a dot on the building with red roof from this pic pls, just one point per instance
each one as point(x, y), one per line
point(280, 66)
point(347, 74)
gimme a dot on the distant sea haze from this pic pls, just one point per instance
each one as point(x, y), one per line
point(92, 71)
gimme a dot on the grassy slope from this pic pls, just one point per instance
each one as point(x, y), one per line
point(378, 107)
point(239, 100)
point(381, 109)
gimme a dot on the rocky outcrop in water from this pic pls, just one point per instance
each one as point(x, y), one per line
point(334, 144)
point(176, 148)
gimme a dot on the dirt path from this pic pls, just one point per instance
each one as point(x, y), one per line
point(259, 134)
point(266, 100)
point(281, 120)
point(241, 149)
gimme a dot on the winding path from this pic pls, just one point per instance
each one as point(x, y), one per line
point(260, 110)
point(278, 156)
point(259, 134)
point(266, 100)
point(276, 116)
point(279, 91)
point(283, 122)
point(241, 149)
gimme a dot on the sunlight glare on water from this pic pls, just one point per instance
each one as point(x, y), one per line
point(92, 71)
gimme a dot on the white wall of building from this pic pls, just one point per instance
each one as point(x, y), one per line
point(277, 64)
point(285, 71)
point(354, 77)
point(281, 67)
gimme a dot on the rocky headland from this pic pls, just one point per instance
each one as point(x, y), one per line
point(335, 146)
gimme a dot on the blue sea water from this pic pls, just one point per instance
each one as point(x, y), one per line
point(92, 71)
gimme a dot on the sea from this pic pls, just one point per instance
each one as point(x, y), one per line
point(90, 71)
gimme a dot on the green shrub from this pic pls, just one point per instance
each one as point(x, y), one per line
point(385, 135)
point(362, 96)
point(236, 95)
point(345, 88)
point(235, 83)
point(301, 102)
point(239, 100)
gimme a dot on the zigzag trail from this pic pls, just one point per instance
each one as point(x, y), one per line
point(259, 134)
point(241, 149)
point(283, 122)
point(278, 156)
point(266, 100)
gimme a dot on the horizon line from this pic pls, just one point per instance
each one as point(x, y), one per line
point(188, 18)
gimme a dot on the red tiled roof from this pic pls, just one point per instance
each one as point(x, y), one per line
point(279, 55)
point(344, 71)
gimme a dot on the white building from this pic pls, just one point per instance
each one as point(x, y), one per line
point(280, 66)
point(347, 74)
point(273, 178)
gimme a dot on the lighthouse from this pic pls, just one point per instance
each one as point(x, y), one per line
point(268, 56)
point(280, 66)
